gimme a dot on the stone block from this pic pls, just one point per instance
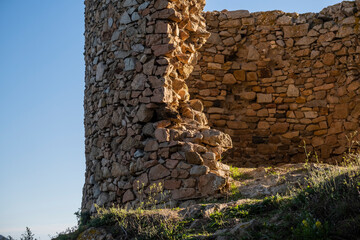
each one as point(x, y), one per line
point(292, 91)
point(345, 31)
point(263, 113)
point(158, 172)
point(128, 196)
point(237, 14)
point(214, 66)
point(240, 75)
point(251, 66)
point(194, 158)
point(264, 98)
point(237, 125)
point(317, 141)
point(311, 114)
point(329, 59)
point(171, 163)
point(144, 114)
point(335, 127)
point(189, 183)
point(263, 125)
point(296, 30)
point(327, 37)
point(208, 77)
point(199, 170)
point(279, 128)
point(248, 96)
point(251, 76)
point(229, 79)
point(284, 20)
point(172, 184)
point(291, 135)
point(341, 111)
point(211, 183)
point(183, 193)
point(151, 146)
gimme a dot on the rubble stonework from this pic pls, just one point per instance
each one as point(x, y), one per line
point(272, 80)
point(145, 138)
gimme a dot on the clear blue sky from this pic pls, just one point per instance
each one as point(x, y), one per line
point(42, 161)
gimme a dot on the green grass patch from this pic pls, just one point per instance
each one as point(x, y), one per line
point(238, 175)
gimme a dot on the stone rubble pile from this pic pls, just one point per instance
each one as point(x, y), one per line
point(145, 138)
point(272, 80)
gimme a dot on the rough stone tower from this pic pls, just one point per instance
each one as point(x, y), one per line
point(142, 130)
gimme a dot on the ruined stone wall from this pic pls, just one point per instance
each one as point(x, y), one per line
point(272, 80)
point(144, 137)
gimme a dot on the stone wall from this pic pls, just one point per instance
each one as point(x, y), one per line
point(272, 80)
point(144, 137)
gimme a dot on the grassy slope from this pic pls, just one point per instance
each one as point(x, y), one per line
point(326, 207)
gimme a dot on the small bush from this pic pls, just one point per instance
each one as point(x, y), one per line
point(311, 228)
point(217, 220)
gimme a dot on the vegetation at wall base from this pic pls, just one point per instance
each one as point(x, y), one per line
point(325, 206)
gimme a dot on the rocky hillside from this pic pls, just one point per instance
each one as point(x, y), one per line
point(301, 201)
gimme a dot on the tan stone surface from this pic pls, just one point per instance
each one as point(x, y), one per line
point(269, 80)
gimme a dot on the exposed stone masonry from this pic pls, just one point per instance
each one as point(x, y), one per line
point(273, 80)
point(144, 137)
point(270, 80)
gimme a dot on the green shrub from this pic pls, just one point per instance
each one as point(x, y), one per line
point(311, 229)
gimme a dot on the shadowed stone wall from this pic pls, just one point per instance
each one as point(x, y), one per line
point(144, 137)
point(272, 80)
